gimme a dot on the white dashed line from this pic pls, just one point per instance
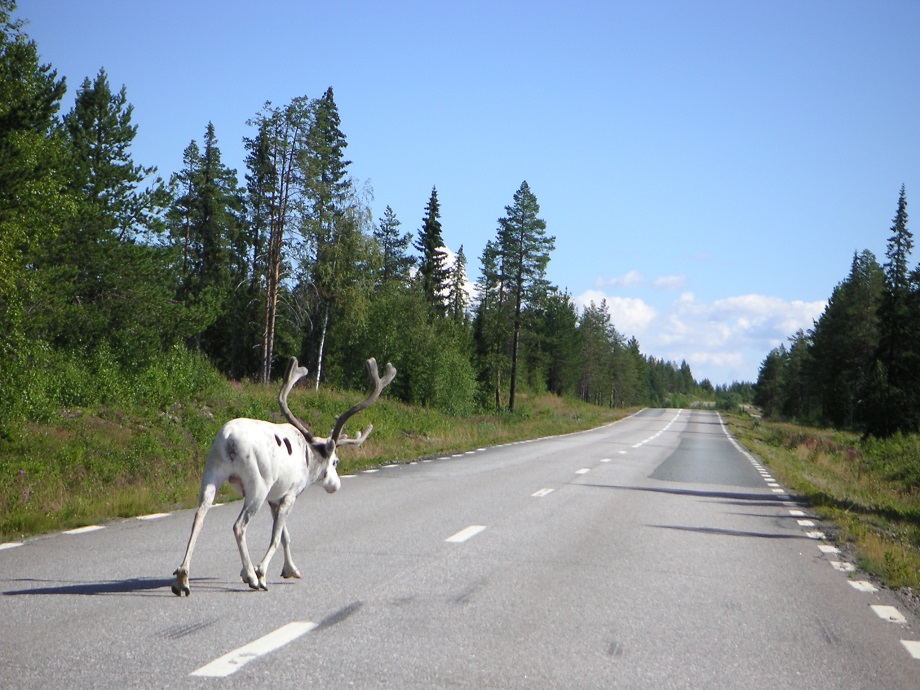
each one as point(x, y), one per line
point(843, 566)
point(827, 548)
point(84, 530)
point(235, 660)
point(806, 523)
point(888, 613)
point(583, 470)
point(863, 586)
point(912, 647)
point(814, 534)
point(465, 534)
point(152, 516)
point(541, 493)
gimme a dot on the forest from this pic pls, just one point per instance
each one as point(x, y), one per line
point(859, 367)
point(105, 265)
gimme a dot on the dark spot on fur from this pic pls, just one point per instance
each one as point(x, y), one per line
point(231, 450)
point(288, 444)
point(277, 440)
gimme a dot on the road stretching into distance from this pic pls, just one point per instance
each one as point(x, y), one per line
point(649, 553)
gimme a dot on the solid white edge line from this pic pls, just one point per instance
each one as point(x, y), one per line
point(152, 516)
point(465, 534)
point(235, 660)
point(10, 545)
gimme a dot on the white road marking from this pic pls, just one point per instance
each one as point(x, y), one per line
point(622, 452)
point(797, 513)
point(465, 534)
point(235, 660)
point(153, 516)
point(370, 471)
point(888, 613)
point(83, 530)
point(583, 470)
point(827, 548)
point(814, 534)
point(541, 493)
point(843, 566)
point(806, 523)
point(863, 585)
point(912, 647)
point(605, 459)
point(10, 545)
point(778, 491)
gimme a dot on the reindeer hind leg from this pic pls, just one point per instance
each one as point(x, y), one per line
point(181, 586)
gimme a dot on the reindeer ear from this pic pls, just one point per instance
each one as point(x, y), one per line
point(330, 447)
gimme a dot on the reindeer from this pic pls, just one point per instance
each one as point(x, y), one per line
point(271, 462)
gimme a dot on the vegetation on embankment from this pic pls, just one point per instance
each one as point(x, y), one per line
point(86, 464)
point(868, 488)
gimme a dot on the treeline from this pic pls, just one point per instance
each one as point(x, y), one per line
point(102, 261)
point(859, 367)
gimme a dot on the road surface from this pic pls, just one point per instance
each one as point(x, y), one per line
point(649, 553)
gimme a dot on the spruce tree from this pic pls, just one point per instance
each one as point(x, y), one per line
point(396, 263)
point(111, 283)
point(433, 273)
point(895, 409)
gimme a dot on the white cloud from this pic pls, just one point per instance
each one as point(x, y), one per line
point(724, 340)
point(631, 278)
point(669, 282)
point(629, 315)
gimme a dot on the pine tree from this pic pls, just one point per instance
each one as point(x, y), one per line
point(524, 248)
point(275, 204)
point(433, 273)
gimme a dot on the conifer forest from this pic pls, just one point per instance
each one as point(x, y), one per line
point(107, 264)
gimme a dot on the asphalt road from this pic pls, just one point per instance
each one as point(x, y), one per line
point(650, 553)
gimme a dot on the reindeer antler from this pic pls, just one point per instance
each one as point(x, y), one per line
point(294, 373)
point(379, 384)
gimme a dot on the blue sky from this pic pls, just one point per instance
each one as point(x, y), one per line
point(708, 168)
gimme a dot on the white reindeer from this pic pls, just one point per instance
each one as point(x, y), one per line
point(273, 462)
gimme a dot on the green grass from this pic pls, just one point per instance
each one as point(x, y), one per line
point(868, 489)
point(84, 465)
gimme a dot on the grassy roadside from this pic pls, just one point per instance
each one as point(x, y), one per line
point(869, 490)
point(86, 466)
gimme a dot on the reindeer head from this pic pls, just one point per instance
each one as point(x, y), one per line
point(322, 459)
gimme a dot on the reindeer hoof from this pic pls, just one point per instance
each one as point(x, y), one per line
point(261, 575)
point(180, 586)
point(288, 573)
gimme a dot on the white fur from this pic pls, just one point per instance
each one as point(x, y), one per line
point(252, 456)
